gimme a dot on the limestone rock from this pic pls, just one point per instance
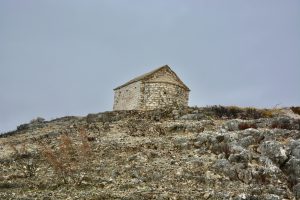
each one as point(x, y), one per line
point(274, 150)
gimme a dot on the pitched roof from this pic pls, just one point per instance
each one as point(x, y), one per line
point(146, 75)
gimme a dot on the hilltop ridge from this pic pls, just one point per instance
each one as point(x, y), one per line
point(172, 153)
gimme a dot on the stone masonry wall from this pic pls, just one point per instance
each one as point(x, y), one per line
point(128, 97)
point(158, 95)
point(164, 76)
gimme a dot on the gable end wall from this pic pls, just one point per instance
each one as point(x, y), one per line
point(157, 95)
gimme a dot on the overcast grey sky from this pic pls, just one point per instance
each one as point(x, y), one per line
point(62, 58)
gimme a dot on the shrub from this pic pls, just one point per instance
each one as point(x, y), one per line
point(269, 113)
point(23, 127)
point(281, 124)
point(85, 147)
point(56, 162)
point(37, 120)
point(244, 125)
point(233, 112)
point(296, 110)
point(90, 118)
point(69, 159)
point(8, 185)
point(253, 113)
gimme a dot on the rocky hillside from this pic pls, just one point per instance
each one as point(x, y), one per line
point(185, 153)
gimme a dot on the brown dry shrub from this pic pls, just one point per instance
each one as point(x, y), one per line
point(268, 113)
point(85, 147)
point(69, 159)
point(244, 125)
point(281, 124)
point(67, 151)
point(55, 162)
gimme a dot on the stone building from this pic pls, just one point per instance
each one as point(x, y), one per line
point(156, 89)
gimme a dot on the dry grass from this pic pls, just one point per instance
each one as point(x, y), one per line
point(269, 113)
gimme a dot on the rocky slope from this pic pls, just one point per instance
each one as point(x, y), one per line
point(184, 153)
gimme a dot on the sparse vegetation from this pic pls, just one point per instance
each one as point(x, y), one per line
point(176, 153)
point(69, 159)
point(296, 110)
point(245, 125)
point(234, 112)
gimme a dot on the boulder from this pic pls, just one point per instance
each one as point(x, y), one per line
point(232, 125)
point(294, 148)
point(274, 150)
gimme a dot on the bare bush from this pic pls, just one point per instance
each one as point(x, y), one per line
point(85, 147)
point(69, 160)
